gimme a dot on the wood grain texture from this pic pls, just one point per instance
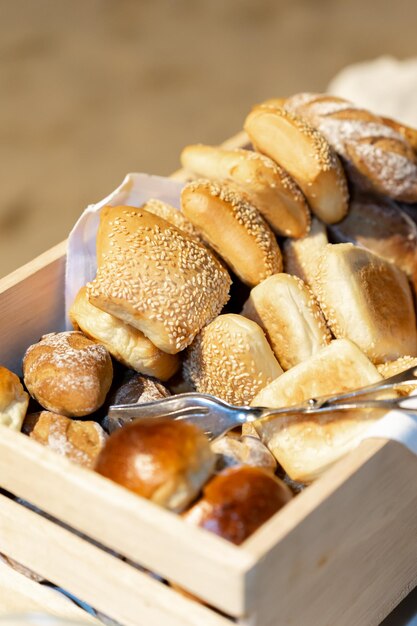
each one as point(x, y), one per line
point(54, 552)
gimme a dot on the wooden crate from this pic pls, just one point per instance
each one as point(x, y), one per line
point(343, 552)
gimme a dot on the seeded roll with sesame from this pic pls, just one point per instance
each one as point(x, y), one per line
point(124, 342)
point(305, 154)
point(171, 215)
point(267, 185)
point(391, 368)
point(156, 278)
point(287, 311)
point(231, 359)
point(234, 228)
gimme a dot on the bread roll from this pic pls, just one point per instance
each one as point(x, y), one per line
point(337, 368)
point(231, 359)
point(301, 256)
point(13, 400)
point(160, 459)
point(156, 278)
point(234, 229)
point(367, 300)
point(409, 133)
point(79, 441)
point(237, 502)
point(379, 156)
point(235, 451)
point(287, 311)
point(305, 154)
point(268, 187)
point(171, 215)
point(126, 343)
point(68, 373)
point(391, 368)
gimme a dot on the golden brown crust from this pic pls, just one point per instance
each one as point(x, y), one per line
point(231, 359)
point(67, 373)
point(124, 342)
point(391, 368)
point(13, 400)
point(156, 278)
point(268, 186)
point(171, 215)
point(237, 502)
point(233, 228)
point(159, 459)
point(301, 255)
point(305, 154)
point(79, 441)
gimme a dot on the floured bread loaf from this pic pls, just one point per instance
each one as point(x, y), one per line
point(13, 400)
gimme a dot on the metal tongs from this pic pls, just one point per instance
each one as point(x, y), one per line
point(217, 417)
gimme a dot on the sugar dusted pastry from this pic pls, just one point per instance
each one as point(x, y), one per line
point(367, 300)
point(13, 400)
point(267, 185)
point(287, 311)
point(301, 255)
point(155, 277)
point(67, 373)
point(339, 367)
point(234, 228)
point(305, 154)
point(231, 359)
point(124, 342)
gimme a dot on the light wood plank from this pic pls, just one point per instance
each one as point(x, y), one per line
point(73, 563)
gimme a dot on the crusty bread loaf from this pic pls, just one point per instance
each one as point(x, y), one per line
point(305, 154)
point(267, 185)
point(339, 367)
point(13, 400)
point(301, 256)
point(287, 311)
point(234, 228)
point(367, 300)
point(231, 359)
point(67, 373)
point(409, 133)
point(379, 156)
point(155, 277)
point(126, 343)
point(160, 459)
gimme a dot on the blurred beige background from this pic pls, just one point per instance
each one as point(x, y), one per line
point(92, 89)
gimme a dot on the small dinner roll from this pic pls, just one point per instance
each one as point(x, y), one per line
point(234, 228)
point(305, 154)
point(126, 343)
point(171, 215)
point(79, 441)
point(267, 185)
point(301, 256)
point(13, 400)
point(339, 367)
point(67, 373)
point(155, 277)
point(368, 300)
point(237, 502)
point(287, 311)
point(231, 359)
point(235, 451)
point(160, 459)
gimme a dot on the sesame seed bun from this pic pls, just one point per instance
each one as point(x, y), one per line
point(171, 215)
point(13, 400)
point(288, 313)
point(305, 154)
point(124, 342)
point(156, 278)
point(267, 185)
point(391, 368)
point(231, 359)
point(233, 228)
point(368, 300)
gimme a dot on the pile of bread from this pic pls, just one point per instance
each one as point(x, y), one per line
point(240, 295)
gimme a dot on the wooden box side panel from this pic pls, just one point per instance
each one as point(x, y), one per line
point(345, 559)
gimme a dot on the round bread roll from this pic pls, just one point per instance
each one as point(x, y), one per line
point(237, 502)
point(13, 400)
point(305, 154)
point(160, 459)
point(234, 228)
point(234, 451)
point(171, 215)
point(231, 359)
point(268, 187)
point(156, 278)
point(287, 311)
point(79, 441)
point(126, 343)
point(67, 373)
